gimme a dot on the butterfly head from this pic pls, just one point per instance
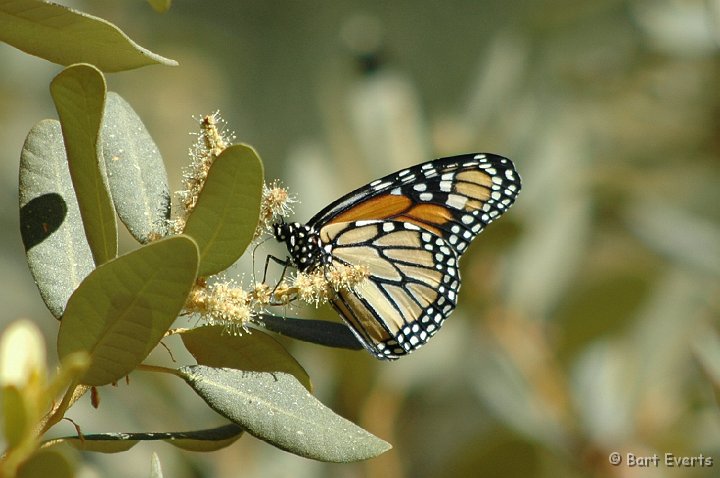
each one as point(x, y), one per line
point(281, 230)
point(303, 243)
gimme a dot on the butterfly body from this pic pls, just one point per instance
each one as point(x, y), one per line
point(409, 229)
point(304, 245)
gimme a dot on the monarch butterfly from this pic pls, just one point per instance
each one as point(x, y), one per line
point(409, 229)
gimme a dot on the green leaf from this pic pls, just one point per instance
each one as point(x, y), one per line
point(46, 463)
point(16, 422)
point(254, 350)
point(124, 307)
point(207, 440)
point(211, 439)
point(65, 36)
point(276, 408)
point(102, 442)
point(57, 251)
point(135, 171)
point(227, 211)
point(323, 332)
point(79, 95)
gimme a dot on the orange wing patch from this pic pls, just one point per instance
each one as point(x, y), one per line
point(380, 207)
point(428, 216)
point(390, 206)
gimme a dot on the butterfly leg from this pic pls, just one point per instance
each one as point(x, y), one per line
point(283, 262)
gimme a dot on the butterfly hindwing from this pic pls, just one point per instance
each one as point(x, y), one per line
point(412, 283)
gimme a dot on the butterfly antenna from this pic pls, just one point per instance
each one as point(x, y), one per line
point(253, 259)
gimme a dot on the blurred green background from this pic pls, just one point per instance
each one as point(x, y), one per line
point(584, 312)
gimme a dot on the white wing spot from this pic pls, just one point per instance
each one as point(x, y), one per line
point(426, 196)
point(366, 222)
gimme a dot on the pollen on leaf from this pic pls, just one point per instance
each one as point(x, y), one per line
point(261, 293)
point(312, 287)
point(222, 303)
point(276, 203)
point(284, 294)
point(211, 141)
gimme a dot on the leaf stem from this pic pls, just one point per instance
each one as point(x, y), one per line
point(73, 393)
point(157, 368)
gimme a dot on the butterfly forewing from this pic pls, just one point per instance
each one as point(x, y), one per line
point(454, 198)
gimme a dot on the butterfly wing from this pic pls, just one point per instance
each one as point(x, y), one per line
point(453, 198)
point(411, 288)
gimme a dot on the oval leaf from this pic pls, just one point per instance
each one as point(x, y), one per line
point(228, 208)
point(57, 251)
point(211, 439)
point(79, 95)
point(17, 420)
point(323, 332)
point(46, 463)
point(124, 307)
point(276, 408)
point(254, 350)
point(135, 171)
point(65, 36)
point(101, 442)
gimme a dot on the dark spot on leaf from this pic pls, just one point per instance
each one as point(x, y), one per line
point(40, 217)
